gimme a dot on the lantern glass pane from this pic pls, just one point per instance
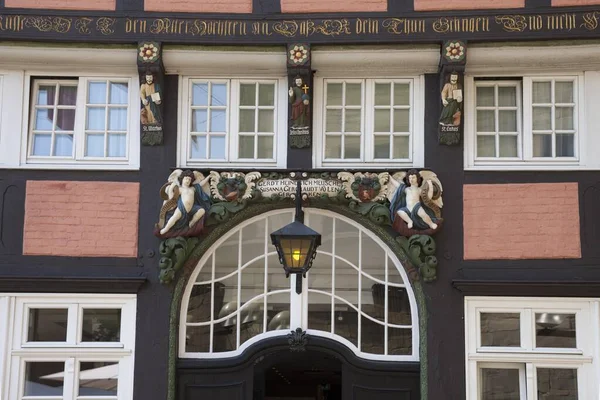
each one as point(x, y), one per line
point(295, 252)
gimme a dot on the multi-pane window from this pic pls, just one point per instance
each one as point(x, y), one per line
point(233, 120)
point(530, 349)
point(79, 119)
point(368, 120)
point(530, 119)
point(90, 340)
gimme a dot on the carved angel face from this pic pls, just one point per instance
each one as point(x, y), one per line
point(413, 180)
point(453, 78)
point(149, 79)
point(186, 181)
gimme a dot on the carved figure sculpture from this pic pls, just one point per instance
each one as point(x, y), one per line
point(186, 198)
point(299, 100)
point(150, 94)
point(452, 101)
point(416, 199)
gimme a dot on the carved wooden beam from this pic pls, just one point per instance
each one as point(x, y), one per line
point(452, 72)
point(300, 95)
point(152, 76)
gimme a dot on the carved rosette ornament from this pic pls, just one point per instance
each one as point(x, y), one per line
point(152, 72)
point(452, 67)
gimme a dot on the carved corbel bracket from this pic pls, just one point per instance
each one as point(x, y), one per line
point(451, 72)
point(298, 340)
point(174, 252)
point(420, 250)
point(152, 76)
point(300, 95)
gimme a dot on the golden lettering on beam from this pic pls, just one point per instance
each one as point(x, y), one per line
point(261, 28)
point(133, 25)
point(14, 23)
point(404, 26)
point(461, 25)
point(590, 21)
point(367, 26)
point(561, 22)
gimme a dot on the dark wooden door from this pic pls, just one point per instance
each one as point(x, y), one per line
point(367, 384)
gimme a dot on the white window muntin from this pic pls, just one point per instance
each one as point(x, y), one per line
point(79, 137)
point(231, 158)
point(416, 143)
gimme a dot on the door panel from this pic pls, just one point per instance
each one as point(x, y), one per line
point(360, 384)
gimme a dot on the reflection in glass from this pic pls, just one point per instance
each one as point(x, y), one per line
point(265, 120)
point(44, 378)
point(507, 121)
point(44, 120)
point(319, 312)
point(499, 384)
point(278, 311)
point(117, 119)
point(200, 94)
point(382, 146)
point(501, 329)
point(225, 331)
point(401, 147)
point(334, 94)
point(46, 95)
point(94, 146)
point(393, 274)
point(346, 282)
point(226, 256)
point(118, 93)
point(555, 330)
point(485, 96)
point(565, 145)
point(486, 146)
point(253, 280)
point(346, 241)
point(346, 322)
point(247, 94)
point(217, 147)
point(507, 96)
point(98, 378)
point(563, 92)
point(101, 325)
point(97, 93)
point(218, 121)
point(319, 276)
point(47, 325)
point(399, 341)
point(398, 306)
point(266, 94)
point(218, 94)
point(199, 303)
point(542, 118)
point(251, 320)
point(557, 383)
point(63, 145)
point(265, 146)
point(197, 339)
point(65, 120)
point(199, 118)
point(383, 93)
point(542, 145)
point(95, 118)
point(247, 120)
point(333, 146)
point(508, 146)
point(198, 149)
point(542, 92)
point(246, 144)
point(372, 336)
point(352, 147)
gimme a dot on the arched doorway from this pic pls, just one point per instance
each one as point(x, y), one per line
point(357, 299)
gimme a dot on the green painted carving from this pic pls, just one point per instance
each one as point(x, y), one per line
point(375, 212)
point(420, 249)
point(174, 253)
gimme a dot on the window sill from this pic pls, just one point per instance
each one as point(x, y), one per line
point(386, 165)
point(74, 166)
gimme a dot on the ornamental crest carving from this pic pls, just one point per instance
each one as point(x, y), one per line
point(233, 186)
point(365, 187)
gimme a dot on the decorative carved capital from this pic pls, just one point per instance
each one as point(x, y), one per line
point(420, 250)
point(298, 340)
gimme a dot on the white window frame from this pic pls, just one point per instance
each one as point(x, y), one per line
point(583, 157)
point(528, 358)
point(14, 310)
point(232, 124)
point(416, 141)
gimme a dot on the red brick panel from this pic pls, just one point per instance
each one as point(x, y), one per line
point(518, 221)
point(432, 5)
point(312, 6)
point(108, 5)
point(200, 6)
point(562, 3)
point(89, 219)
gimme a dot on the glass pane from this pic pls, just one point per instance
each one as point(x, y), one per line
point(508, 146)
point(373, 298)
point(253, 280)
point(501, 329)
point(246, 149)
point(564, 118)
point(219, 94)
point(118, 93)
point(346, 322)
point(383, 92)
point(346, 282)
point(507, 120)
point(197, 339)
point(43, 120)
point(485, 96)
point(353, 119)
point(542, 118)
point(63, 145)
point(276, 280)
point(382, 120)
point(198, 147)
point(117, 144)
point(563, 92)
point(226, 312)
point(401, 147)
point(346, 238)
point(218, 120)
point(500, 384)
point(507, 96)
point(486, 146)
point(41, 145)
point(97, 93)
point(253, 244)
point(382, 146)
point(334, 94)
point(117, 119)
point(565, 145)
point(323, 225)
point(372, 336)
point(278, 311)
point(200, 94)
point(373, 256)
point(65, 120)
point(47, 325)
point(401, 94)
point(486, 121)
point(101, 325)
point(266, 94)
point(46, 95)
point(542, 145)
point(199, 120)
point(247, 94)
point(96, 119)
point(44, 379)
point(393, 274)
point(542, 92)
point(67, 95)
point(333, 146)
point(265, 147)
point(557, 384)
point(265, 120)
point(352, 147)
point(398, 306)
point(334, 121)
point(94, 146)
point(199, 303)
point(247, 120)
point(555, 330)
point(226, 256)
point(319, 276)
point(353, 94)
point(399, 341)
point(98, 378)
point(319, 312)
point(252, 319)
point(401, 120)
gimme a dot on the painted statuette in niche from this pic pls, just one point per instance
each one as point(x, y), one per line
point(452, 101)
point(415, 202)
point(150, 95)
point(300, 100)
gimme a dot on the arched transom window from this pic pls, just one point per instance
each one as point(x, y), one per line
point(356, 292)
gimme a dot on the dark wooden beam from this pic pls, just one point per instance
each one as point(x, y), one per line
point(64, 284)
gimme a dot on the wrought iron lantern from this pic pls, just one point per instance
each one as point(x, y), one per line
point(296, 244)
